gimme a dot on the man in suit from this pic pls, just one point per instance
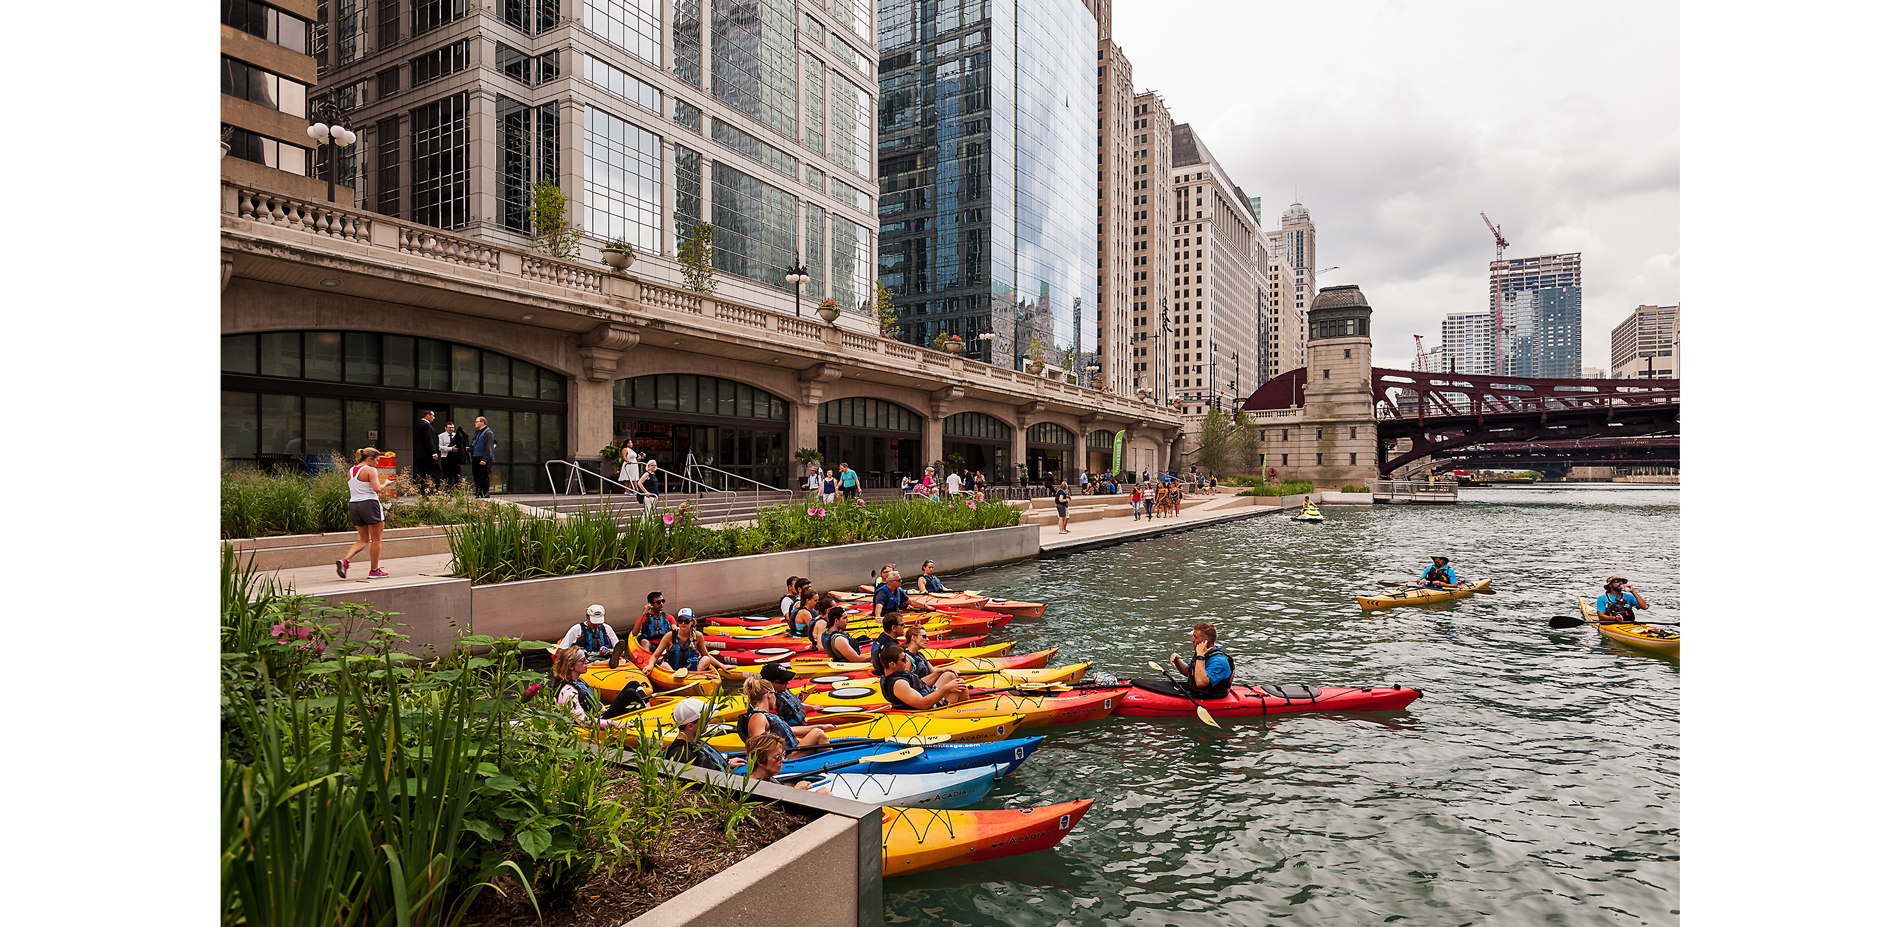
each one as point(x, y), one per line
point(481, 451)
point(428, 454)
point(454, 447)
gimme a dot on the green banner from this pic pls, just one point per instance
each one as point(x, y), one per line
point(1116, 467)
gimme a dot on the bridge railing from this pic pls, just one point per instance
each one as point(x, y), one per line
point(1415, 491)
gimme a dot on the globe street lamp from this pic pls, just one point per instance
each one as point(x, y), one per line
point(328, 130)
point(797, 276)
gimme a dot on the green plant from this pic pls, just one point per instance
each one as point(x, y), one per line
point(886, 314)
point(695, 259)
point(1035, 351)
point(1351, 488)
point(1068, 358)
point(1225, 441)
point(617, 245)
point(547, 220)
point(808, 455)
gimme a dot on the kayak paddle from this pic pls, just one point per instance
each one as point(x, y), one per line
point(1199, 711)
point(1565, 621)
point(890, 757)
point(918, 740)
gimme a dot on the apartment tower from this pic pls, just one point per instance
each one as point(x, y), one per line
point(1291, 273)
point(267, 77)
point(1150, 182)
point(1115, 344)
point(1647, 344)
point(1537, 316)
point(1216, 282)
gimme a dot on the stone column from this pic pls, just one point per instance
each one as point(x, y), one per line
point(1084, 423)
point(1019, 434)
point(811, 392)
point(940, 401)
point(590, 392)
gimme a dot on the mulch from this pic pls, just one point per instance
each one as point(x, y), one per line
point(696, 851)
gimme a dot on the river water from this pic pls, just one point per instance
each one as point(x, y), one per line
point(1536, 782)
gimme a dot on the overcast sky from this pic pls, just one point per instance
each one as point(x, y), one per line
point(1398, 122)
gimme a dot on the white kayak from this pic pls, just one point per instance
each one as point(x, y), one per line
point(949, 789)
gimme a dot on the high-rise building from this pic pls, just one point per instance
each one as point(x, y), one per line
point(1217, 284)
point(1150, 181)
point(1291, 272)
point(267, 76)
point(984, 126)
point(653, 116)
point(1647, 344)
point(1115, 346)
point(1465, 343)
point(1537, 315)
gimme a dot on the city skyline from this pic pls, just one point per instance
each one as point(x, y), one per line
point(1562, 125)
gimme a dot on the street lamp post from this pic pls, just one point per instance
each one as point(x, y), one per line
point(328, 130)
point(797, 276)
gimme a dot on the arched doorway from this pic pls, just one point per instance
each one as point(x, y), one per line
point(1049, 452)
point(979, 443)
point(881, 440)
point(1101, 446)
point(679, 419)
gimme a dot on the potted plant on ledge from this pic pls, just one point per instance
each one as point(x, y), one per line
point(828, 310)
point(953, 344)
point(616, 254)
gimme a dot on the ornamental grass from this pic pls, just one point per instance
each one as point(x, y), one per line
point(259, 503)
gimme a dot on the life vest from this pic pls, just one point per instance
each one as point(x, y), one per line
point(590, 703)
point(1619, 606)
point(790, 709)
point(1218, 689)
point(680, 655)
point(787, 604)
point(774, 725)
point(593, 637)
point(933, 584)
point(831, 635)
point(888, 686)
point(801, 628)
point(1437, 574)
point(654, 627)
point(698, 753)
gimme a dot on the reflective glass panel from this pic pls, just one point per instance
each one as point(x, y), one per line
point(399, 360)
point(494, 374)
point(362, 358)
point(322, 425)
point(239, 354)
point(280, 424)
point(526, 380)
point(753, 70)
point(467, 366)
point(633, 25)
point(280, 354)
point(623, 181)
point(323, 355)
point(754, 226)
point(237, 424)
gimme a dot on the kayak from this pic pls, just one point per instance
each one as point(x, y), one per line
point(966, 666)
point(664, 680)
point(1036, 709)
point(1646, 637)
point(936, 757)
point(994, 680)
point(607, 683)
point(1018, 609)
point(1158, 698)
point(883, 726)
point(932, 599)
point(953, 788)
point(918, 840)
point(776, 631)
point(1421, 595)
point(800, 647)
point(972, 621)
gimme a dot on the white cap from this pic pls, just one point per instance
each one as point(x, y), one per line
point(596, 615)
point(684, 613)
point(688, 710)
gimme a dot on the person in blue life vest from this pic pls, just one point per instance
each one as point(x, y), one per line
point(831, 635)
point(1439, 574)
point(684, 648)
point(904, 689)
point(654, 623)
point(786, 704)
point(761, 717)
point(927, 581)
point(1211, 671)
point(687, 747)
point(593, 634)
point(1619, 601)
point(891, 596)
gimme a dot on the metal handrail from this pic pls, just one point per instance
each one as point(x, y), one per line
point(735, 476)
point(682, 476)
point(583, 471)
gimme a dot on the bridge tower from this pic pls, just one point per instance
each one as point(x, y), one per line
point(1339, 439)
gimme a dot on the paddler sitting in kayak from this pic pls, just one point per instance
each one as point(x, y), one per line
point(760, 718)
point(927, 581)
point(905, 690)
point(1211, 671)
point(683, 649)
point(891, 596)
point(768, 760)
point(829, 635)
point(787, 706)
point(1440, 573)
point(1619, 601)
point(687, 747)
point(936, 677)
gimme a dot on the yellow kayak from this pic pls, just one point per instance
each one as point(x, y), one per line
point(884, 726)
point(1646, 637)
point(1421, 595)
point(693, 683)
point(608, 682)
point(1071, 707)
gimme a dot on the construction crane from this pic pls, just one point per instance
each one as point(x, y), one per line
point(1502, 244)
point(1318, 272)
point(1423, 365)
point(1497, 296)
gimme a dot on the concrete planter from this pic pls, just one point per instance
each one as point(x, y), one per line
point(828, 313)
point(615, 258)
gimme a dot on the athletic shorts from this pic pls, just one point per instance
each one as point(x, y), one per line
point(366, 512)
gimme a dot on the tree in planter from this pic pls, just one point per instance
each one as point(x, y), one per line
point(941, 342)
point(547, 221)
point(696, 259)
point(1068, 359)
point(1035, 352)
point(886, 314)
point(1226, 441)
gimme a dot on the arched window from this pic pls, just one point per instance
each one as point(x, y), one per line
point(1051, 434)
point(976, 425)
point(869, 413)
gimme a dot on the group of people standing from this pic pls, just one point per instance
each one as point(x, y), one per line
point(639, 474)
point(955, 483)
point(438, 457)
point(830, 483)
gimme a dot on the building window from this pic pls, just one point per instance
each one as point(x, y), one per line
point(1352, 460)
point(850, 126)
point(264, 88)
point(1325, 374)
point(428, 14)
point(1349, 354)
point(1319, 434)
point(1283, 458)
point(531, 16)
point(853, 13)
point(686, 114)
point(531, 70)
point(686, 40)
point(1319, 460)
point(688, 192)
point(528, 150)
point(352, 31)
point(439, 63)
point(629, 88)
point(745, 143)
point(753, 69)
point(754, 226)
point(267, 23)
point(388, 166)
point(843, 50)
point(259, 149)
point(850, 262)
point(1352, 432)
point(438, 162)
point(633, 25)
point(623, 181)
point(814, 103)
point(814, 256)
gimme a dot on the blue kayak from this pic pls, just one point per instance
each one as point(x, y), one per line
point(935, 758)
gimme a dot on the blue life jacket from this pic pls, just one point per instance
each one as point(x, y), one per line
point(774, 725)
point(681, 655)
point(933, 584)
point(1220, 674)
point(593, 637)
point(800, 628)
point(654, 627)
point(790, 709)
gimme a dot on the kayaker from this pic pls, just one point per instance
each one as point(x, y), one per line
point(768, 760)
point(1619, 600)
point(936, 677)
point(573, 694)
point(655, 622)
point(786, 704)
point(927, 581)
point(904, 690)
point(1211, 671)
point(760, 718)
point(593, 634)
point(687, 747)
point(790, 599)
point(1440, 573)
point(684, 647)
point(890, 634)
point(804, 613)
point(890, 597)
point(829, 635)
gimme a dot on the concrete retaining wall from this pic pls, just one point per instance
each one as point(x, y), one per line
point(290, 551)
point(543, 609)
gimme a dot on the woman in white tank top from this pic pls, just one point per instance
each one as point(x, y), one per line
point(367, 487)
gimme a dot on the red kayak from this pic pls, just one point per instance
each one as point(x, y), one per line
point(970, 621)
point(773, 647)
point(1154, 698)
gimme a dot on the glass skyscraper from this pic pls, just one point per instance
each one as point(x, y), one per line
point(1537, 315)
point(986, 129)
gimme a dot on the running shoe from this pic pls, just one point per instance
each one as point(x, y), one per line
point(342, 569)
point(377, 574)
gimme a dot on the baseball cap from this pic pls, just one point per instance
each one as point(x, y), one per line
point(596, 615)
point(688, 711)
point(777, 672)
point(684, 613)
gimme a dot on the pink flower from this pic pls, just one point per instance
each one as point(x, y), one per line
point(667, 518)
point(858, 502)
point(971, 503)
point(821, 513)
point(811, 511)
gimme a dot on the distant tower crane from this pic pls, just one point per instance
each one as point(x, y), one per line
point(1423, 365)
point(1497, 298)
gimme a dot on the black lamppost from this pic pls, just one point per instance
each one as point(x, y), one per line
point(797, 276)
point(328, 130)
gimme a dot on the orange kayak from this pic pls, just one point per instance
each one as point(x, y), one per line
point(1038, 710)
point(921, 839)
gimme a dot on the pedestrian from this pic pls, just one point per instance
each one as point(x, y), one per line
point(427, 454)
point(630, 469)
point(929, 483)
point(648, 488)
point(813, 482)
point(1134, 501)
point(828, 490)
point(953, 484)
point(1062, 509)
point(848, 481)
point(1148, 498)
point(978, 483)
point(481, 452)
point(367, 488)
point(454, 446)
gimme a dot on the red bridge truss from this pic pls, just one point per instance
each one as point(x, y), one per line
point(1441, 412)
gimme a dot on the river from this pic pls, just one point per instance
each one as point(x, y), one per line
point(1537, 780)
